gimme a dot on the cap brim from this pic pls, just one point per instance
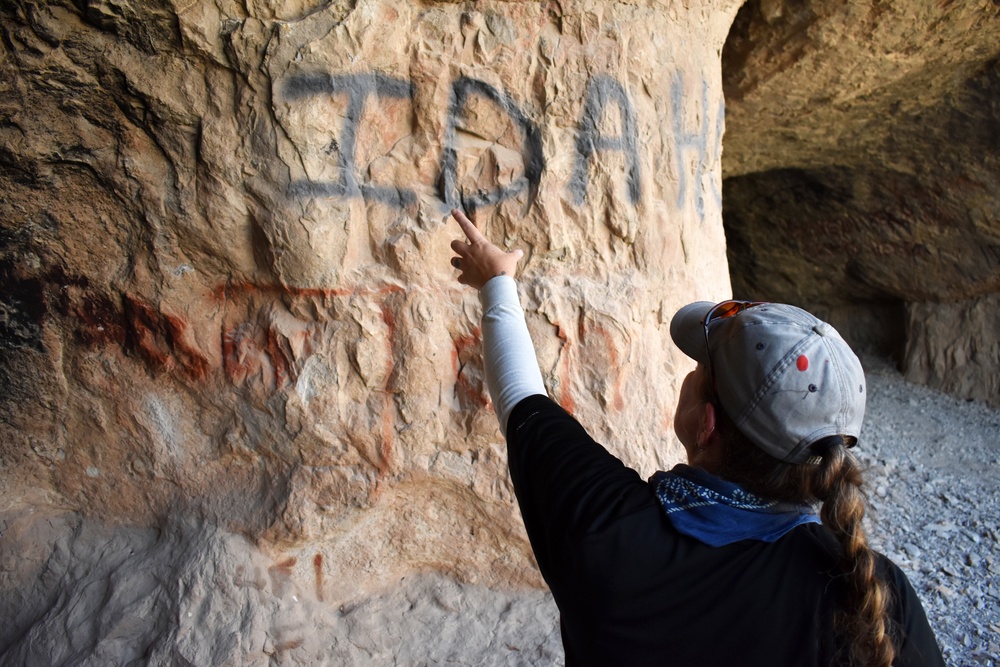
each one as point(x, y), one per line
point(688, 331)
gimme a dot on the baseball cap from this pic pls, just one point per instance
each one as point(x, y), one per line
point(785, 377)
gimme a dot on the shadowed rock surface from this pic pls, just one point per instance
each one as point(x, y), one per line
point(862, 174)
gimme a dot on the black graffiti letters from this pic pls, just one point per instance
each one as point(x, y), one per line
point(602, 90)
point(357, 87)
point(696, 142)
point(531, 148)
point(695, 146)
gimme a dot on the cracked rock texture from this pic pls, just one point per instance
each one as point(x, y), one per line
point(243, 400)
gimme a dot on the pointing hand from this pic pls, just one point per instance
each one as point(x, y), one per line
point(479, 260)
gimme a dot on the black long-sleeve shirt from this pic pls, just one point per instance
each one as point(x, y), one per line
point(631, 590)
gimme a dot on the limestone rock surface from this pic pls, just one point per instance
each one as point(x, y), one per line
point(236, 362)
point(862, 173)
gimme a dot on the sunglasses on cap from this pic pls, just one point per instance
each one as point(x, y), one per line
point(722, 311)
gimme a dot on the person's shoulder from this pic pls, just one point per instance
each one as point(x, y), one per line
point(824, 543)
point(819, 539)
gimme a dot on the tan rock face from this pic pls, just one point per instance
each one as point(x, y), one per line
point(226, 290)
point(862, 172)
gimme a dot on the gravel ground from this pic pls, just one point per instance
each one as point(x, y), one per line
point(934, 467)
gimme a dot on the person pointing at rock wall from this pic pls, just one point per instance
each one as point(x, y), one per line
point(723, 560)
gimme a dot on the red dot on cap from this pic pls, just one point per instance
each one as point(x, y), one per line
point(802, 363)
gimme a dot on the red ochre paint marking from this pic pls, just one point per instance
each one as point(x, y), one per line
point(279, 360)
point(802, 363)
point(565, 372)
point(238, 349)
point(465, 387)
point(240, 343)
point(318, 569)
point(99, 321)
point(192, 359)
point(285, 565)
point(289, 645)
point(160, 339)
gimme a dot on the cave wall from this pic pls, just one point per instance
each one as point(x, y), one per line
point(862, 174)
point(234, 351)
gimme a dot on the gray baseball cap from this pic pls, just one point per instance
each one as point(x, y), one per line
point(784, 377)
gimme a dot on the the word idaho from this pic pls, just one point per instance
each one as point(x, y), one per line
point(602, 92)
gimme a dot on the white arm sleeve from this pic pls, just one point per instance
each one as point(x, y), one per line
point(511, 365)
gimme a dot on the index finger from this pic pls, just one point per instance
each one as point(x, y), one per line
point(467, 226)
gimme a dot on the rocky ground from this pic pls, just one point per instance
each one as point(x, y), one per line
point(935, 467)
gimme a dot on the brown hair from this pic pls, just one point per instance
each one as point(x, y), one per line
point(836, 483)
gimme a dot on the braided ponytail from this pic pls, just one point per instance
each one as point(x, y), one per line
point(836, 481)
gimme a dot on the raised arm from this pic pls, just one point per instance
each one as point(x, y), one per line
point(511, 366)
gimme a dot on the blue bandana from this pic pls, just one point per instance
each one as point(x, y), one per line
point(718, 512)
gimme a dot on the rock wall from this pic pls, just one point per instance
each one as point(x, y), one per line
point(862, 172)
point(953, 346)
point(227, 313)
